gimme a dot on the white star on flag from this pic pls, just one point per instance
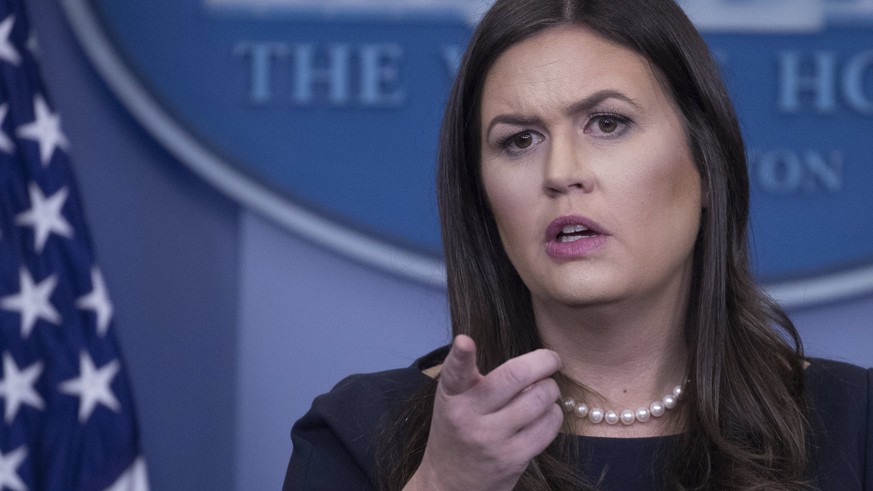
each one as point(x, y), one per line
point(98, 301)
point(45, 215)
point(92, 386)
point(32, 301)
point(9, 465)
point(6, 143)
point(45, 129)
point(7, 49)
point(16, 387)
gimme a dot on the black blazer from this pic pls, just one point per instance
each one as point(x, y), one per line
point(334, 443)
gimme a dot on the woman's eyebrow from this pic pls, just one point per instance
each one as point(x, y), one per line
point(583, 105)
point(596, 98)
point(512, 119)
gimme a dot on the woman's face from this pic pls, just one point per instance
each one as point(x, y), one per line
point(587, 171)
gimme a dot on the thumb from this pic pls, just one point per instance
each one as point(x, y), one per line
point(459, 371)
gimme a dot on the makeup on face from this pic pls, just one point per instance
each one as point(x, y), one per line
point(587, 170)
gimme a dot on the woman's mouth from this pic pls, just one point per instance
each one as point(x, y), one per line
point(571, 237)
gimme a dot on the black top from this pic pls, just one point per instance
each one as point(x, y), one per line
point(334, 443)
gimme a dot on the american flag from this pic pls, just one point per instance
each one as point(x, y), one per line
point(68, 420)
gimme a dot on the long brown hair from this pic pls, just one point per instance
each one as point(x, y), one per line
point(744, 405)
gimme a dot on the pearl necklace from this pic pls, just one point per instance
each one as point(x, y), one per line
point(627, 416)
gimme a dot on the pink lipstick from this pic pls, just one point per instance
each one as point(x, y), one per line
point(573, 236)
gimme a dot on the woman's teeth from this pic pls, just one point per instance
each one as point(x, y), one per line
point(569, 229)
point(572, 233)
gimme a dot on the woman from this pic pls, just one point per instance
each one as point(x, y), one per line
point(594, 199)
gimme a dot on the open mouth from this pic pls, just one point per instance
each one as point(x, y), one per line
point(564, 237)
point(572, 233)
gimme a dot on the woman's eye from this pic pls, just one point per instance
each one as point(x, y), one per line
point(607, 125)
point(522, 140)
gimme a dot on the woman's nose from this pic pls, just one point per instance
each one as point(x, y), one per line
point(566, 168)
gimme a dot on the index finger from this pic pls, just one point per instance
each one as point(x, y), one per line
point(459, 371)
point(503, 383)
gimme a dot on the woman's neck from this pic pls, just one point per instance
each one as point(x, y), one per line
point(626, 357)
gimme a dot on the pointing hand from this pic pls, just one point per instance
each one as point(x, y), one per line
point(486, 428)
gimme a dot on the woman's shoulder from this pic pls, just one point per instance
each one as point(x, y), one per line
point(832, 380)
point(839, 393)
point(388, 384)
point(364, 397)
point(335, 441)
point(840, 400)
